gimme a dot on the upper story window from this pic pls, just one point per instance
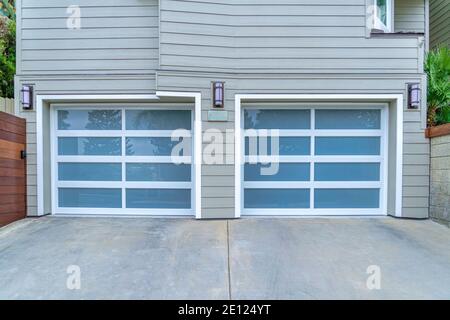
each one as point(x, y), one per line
point(382, 15)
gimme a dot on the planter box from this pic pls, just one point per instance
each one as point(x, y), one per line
point(438, 131)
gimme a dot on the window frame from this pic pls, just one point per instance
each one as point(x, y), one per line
point(377, 24)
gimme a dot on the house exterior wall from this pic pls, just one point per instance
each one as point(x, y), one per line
point(409, 16)
point(300, 37)
point(439, 23)
point(115, 51)
point(302, 46)
point(440, 179)
point(47, 46)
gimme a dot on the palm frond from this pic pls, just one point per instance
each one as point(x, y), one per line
point(7, 9)
point(437, 67)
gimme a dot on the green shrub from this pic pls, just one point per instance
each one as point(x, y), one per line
point(437, 67)
point(8, 60)
point(7, 9)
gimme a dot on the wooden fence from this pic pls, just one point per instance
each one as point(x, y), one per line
point(12, 168)
point(7, 105)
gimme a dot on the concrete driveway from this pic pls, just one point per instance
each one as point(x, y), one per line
point(149, 258)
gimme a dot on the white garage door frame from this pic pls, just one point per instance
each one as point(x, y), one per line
point(42, 100)
point(317, 99)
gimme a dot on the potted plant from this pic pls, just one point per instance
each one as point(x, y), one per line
point(437, 67)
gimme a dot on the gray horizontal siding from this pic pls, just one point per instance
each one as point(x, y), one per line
point(116, 37)
point(67, 45)
point(409, 16)
point(92, 84)
point(439, 23)
point(213, 192)
point(218, 180)
point(270, 37)
point(72, 85)
point(91, 22)
point(287, 42)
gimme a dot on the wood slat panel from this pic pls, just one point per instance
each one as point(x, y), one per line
point(11, 145)
point(10, 150)
point(11, 208)
point(9, 136)
point(11, 127)
point(19, 122)
point(16, 199)
point(11, 217)
point(9, 154)
point(9, 172)
point(15, 189)
point(12, 164)
point(12, 181)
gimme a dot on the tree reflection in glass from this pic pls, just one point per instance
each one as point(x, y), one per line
point(155, 120)
point(89, 146)
point(158, 119)
point(102, 146)
point(153, 146)
point(89, 120)
point(104, 120)
point(93, 120)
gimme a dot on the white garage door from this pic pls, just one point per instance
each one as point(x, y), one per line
point(119, 160)
point(330, 160)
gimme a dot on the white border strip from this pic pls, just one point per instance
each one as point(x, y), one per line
point(197, 143)
point(315, 98)
point(41, 99)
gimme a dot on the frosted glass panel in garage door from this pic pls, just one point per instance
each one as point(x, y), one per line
point(89, 119)
point(338, 146)
point(336, 165)
point(348, 119)
point(158, 119)
point(277, 119)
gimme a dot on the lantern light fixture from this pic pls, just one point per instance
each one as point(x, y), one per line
point(26, 97)
point(218, 94)
point(414, 96)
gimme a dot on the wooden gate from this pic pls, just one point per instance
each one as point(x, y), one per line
point(12, 168)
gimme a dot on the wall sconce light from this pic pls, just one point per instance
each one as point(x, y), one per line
point(26, 97)
point(414, 96)
point(218, 94)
